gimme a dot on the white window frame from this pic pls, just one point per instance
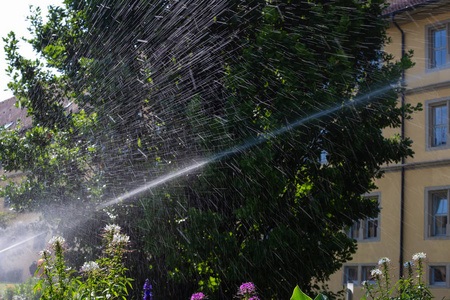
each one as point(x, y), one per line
point(429, 43)
point(361, 235)
point(429, 191)
point(444, 285)
point(429, 107)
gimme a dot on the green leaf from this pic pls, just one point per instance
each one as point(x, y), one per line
point(321, 297)
point(299, 295)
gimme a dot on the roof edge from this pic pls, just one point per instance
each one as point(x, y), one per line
point(402, 7)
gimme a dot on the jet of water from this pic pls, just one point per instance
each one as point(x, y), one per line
point(21, 242)
point(234, 150)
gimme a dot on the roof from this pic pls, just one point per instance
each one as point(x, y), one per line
point(10, 115)
point(398, 5)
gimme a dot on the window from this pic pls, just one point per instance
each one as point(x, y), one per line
point(439, 213)
point(357, 273)
point(437, 275)
point(437, 45)
point(367, 229)
point(365, 273)
point(371, 228)
point(439, 125)
point(353, 231)
point(437, 114)
point(436, 212)
point(351, 275)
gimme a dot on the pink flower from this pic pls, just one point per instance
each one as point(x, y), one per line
point(198, 296)
point(247, 288)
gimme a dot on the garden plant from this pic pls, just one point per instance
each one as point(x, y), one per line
point(101, 279)
point(411, 286)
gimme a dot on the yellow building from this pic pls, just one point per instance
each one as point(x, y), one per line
point(414, 195)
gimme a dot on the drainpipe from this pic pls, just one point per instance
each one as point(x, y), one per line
point(402, 174)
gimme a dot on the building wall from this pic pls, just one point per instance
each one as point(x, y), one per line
point(428, 169)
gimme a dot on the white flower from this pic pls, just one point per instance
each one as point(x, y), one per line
point(120, 239)
point(376, 272)
point(420, 255)
point(55, 240)
point(384, 260)
point(112, 228)
point(111, 216)
point(364, 283)
point(45, 253)
point(90, 266)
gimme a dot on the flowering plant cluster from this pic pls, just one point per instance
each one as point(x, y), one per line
point(105, 278)
point(411, 286)
point(248, 291)
point(101, 279)
point(56, 280)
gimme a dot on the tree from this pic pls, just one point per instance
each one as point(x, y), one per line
point(273, 213)
point(163, 83)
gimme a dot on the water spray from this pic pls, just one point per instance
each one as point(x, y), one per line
point(234, 150)
point(21, 242)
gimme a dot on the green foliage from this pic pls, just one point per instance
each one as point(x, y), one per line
point(299, 295)
point(54, 157)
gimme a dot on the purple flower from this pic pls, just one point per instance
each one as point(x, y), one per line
point(247, 289)
point(253, 298)
point(198, 296)
point(147, 290)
